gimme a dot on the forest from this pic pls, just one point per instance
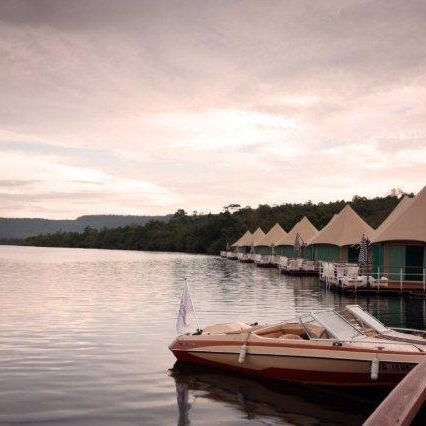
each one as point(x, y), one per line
point(210, 233)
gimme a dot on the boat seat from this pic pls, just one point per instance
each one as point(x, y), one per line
point(290, 337)
point(278, 331)
point(295, 329)
point(317, 332)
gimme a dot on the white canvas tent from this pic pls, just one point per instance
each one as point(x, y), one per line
point(304, 228)
point(399, 244)
point(245, 240)
point(275, 234)
point(345, 228)
point(336, 240)
point(408, 223)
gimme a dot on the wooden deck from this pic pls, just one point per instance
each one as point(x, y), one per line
point(392, 287)
point(404, 404)
point(298, 272)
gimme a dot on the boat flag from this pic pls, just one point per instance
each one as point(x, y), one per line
point(186, 308)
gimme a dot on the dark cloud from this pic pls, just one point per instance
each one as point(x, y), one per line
point(68, 14)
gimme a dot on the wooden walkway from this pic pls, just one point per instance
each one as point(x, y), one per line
point(405, 401)
point(392, 288)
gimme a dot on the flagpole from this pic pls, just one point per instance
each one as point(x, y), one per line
point(195, 313)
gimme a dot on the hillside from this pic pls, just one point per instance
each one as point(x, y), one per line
point(16, 228)
point(210, 233)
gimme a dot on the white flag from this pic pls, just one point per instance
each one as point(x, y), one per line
point(186, 307)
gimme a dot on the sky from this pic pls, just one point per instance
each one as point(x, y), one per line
point(145, 107)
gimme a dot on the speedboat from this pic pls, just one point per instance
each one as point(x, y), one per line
point(371, 326)
point(321, 347)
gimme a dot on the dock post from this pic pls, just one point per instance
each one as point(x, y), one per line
point(378, 279)
point(400, 280)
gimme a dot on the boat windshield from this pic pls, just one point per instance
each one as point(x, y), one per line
point(336, 326)
point(366, 318)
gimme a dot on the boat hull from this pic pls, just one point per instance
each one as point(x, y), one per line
point(345, 369)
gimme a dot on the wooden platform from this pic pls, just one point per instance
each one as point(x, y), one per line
point(265, 265)
point(404, 405)
point(393, 287)
point(299, 273)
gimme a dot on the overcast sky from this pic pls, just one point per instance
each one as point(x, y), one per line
point(144, 107)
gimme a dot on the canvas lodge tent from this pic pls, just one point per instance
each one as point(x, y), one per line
point(242, 242)
point(335, 242)
point(306, 231)
point(258, 235)
point(266, 244)
point(378, 248)
point(399, 249)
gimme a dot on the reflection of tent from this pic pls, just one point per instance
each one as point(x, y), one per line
point(334, 241)
point(306, 231)
point(265, 244)
point(400, 242)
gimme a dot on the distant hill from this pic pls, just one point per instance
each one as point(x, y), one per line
point(16, 228)
point(210, 233)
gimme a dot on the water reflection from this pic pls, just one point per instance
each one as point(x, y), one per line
point(255, 400)
point(84, 337)
point(417, 312)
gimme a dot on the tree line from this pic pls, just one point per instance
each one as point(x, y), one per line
point(14, 229)
point(210, 233)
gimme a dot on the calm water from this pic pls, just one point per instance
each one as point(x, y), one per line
point(84, 335)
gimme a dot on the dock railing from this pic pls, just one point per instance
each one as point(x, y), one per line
point(398, 278)
point(406, 276)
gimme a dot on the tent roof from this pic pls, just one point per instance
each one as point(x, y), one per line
point(257, 236)
point(272, 237)
point(346, 228)
point(402, 205)
point(409, 224)
point(244, 240)
point(304, 228)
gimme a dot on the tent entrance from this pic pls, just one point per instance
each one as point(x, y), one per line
point(353, 254)
point(414, 260)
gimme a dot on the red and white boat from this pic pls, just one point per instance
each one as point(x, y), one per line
point(322, 347)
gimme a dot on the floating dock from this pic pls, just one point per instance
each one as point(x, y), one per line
point(405, 405)
point(393, 287)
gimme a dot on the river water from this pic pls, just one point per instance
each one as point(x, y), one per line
point(84, 336)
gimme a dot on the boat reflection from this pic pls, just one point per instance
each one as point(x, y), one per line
point(258, 400)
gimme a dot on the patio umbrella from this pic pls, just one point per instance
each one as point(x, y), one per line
point(298, 246)
point(363, 250)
